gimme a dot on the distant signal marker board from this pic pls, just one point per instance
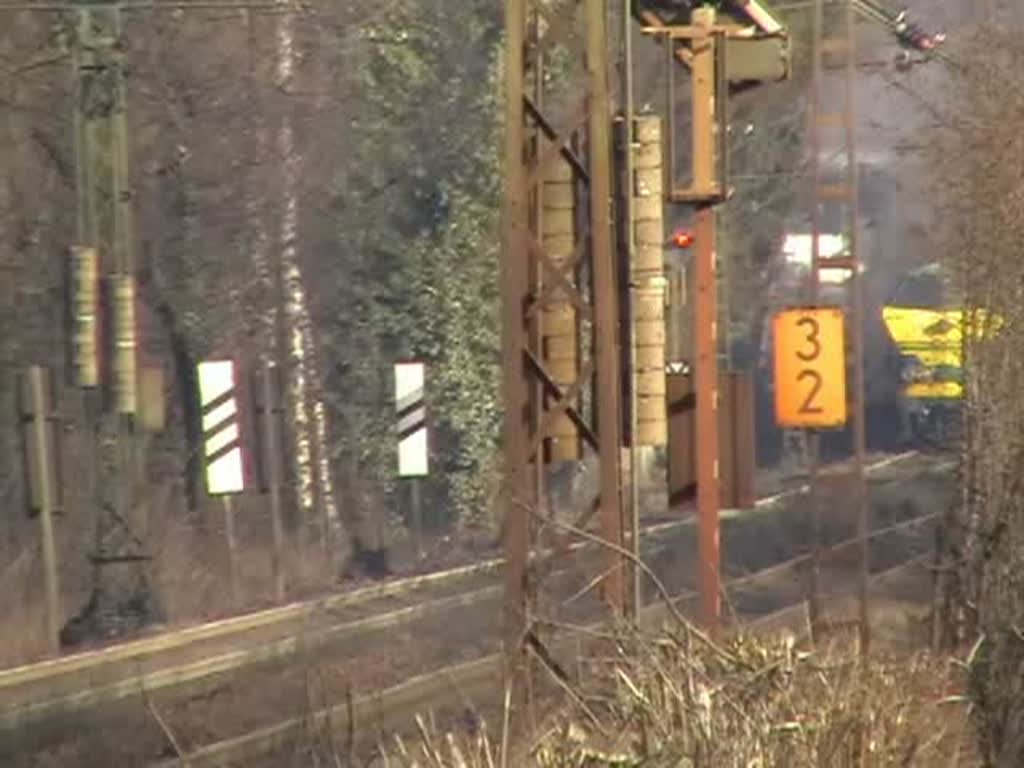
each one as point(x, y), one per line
point(411, 407)
point(810, 368)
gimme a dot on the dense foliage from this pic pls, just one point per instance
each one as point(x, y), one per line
point(417, 233)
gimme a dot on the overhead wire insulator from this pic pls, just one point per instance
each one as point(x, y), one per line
point(908, 33)
point(647, 275)
point(559, 324)
point(85, 346)
point(125, 345)
point(913, 35)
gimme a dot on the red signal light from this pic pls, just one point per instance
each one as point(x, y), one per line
point(682, 239)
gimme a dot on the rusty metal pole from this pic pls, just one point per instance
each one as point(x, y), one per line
point(606, 342)
point(812, 443)
point(629, 240)
point(705, 322)
point(536, 327)
point(706, 380)
point(857, 321)
point(846, 194)
point(514, 276)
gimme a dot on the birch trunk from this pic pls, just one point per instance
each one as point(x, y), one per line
point(314, 486)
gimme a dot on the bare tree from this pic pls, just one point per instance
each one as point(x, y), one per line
point(980, 154)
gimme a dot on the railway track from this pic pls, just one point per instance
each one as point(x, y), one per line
point(198, 657)
point(395, 708)
point(297, 613)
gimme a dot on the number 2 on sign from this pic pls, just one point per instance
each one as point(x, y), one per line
point(810, 370)
point(808, 404)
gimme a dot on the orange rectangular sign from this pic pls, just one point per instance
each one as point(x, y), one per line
point(810, 368)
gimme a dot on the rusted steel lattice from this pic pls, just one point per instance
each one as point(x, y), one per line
point(834, 197)
point(560, 322)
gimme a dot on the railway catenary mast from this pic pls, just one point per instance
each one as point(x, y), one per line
point(544, 258)
point(833, 111)
point(527, 416)
point(122, 593)
point(838, 38)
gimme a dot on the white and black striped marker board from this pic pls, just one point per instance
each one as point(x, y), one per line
point(222, 437)
point(412, 420)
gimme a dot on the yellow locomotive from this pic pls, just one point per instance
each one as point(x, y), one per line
point(924, 320)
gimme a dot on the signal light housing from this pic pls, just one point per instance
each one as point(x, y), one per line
point(647, 292)
point(682, 238)
point(559, 321)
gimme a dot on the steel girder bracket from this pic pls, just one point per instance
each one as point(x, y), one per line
point(756, 42)
point(746, 46)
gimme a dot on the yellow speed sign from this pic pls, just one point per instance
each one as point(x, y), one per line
point(810, 368)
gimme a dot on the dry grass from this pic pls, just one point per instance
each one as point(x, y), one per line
point(676, 699)
point(22, 606)
point(193, 578)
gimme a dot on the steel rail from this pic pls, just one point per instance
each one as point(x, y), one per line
point(392, 705)
point(136, 650)
point(398, 704)
point(21, 675)
point(793, 562)
point(146, 683)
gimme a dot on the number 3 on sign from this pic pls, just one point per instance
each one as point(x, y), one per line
point(810, 368)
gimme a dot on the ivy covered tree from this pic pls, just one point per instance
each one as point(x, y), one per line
point(416, 268)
